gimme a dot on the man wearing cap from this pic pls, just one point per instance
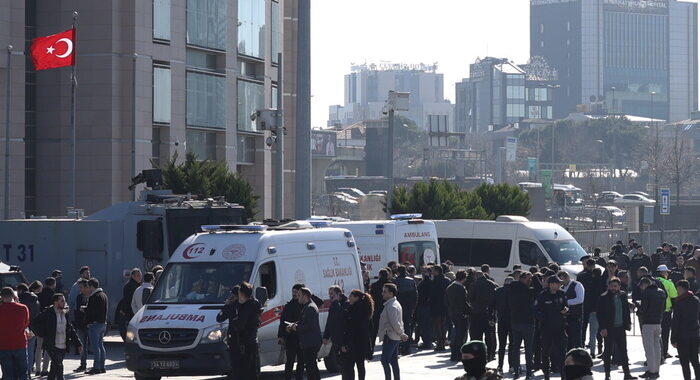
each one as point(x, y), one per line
point(671, 294)
point(474, 362)
point(551, 309)
point(614, 321)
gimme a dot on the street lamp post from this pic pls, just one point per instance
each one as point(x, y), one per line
point(397, 101)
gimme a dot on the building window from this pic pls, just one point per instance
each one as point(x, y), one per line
point(515, 92)
point(206, 100)
point(251, 97)
point(203, 60)
point(161, 94)
point(202, 144)
point(534, 112)
point(275, 31)
point(246, 149)
point(251, 28)
point(515, 110)
point(273, 95)
point(541, 28)
point(541, 94)
point(568, 26)
point(549, 112)
point(541, 43)
point(206, 23)
point(161, 19)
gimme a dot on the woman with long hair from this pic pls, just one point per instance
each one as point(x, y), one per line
point(356, 339)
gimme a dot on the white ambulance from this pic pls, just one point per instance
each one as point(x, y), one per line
point(176, 333)
point(404, 238)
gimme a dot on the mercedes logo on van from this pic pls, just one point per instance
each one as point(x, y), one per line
point(164, 337)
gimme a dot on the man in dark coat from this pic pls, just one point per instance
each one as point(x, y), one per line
point(502, 308)
point(96, 321)
point(47, 292)
point(614, 320)
point(551, 309)
point(246, 325)
point(335, 324)
point(124, 312)
point(521, 297)
point(640, 259)
point(458, 311)
point(652, 302)
point(309, 330)
point(375, 290)
point(482, 317)
point(229, 313)
point(408, 298)
point(290, 339)
point(423, 313)
point(31, 301)
point(57, 333)
point(685, 329)
point(438, 307)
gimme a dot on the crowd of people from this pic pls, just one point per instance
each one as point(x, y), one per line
point(42, 322)
point(559, 322)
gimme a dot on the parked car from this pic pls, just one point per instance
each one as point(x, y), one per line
point(608, 197)
point(641, 193)
point(634, 199)
point(357, 193)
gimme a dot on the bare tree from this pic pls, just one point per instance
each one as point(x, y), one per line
point(677, 164)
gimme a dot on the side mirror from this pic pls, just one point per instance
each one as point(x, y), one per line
point(261, 295)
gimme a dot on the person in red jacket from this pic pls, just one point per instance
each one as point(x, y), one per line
point(14, 320)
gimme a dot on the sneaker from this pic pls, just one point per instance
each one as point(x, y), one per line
point(103, 370)
point(654, 375)
point(628, 376)
point(645, 375)
point(93, 371)
point(529, 375)
point(80, 369)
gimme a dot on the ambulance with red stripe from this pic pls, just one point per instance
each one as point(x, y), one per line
point(176, 333)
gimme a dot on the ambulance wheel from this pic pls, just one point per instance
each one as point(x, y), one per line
point(332, 363)
point(140, 377)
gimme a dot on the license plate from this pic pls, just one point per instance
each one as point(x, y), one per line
point(165, 364)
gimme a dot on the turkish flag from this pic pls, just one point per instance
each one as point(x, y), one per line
point(53, 51)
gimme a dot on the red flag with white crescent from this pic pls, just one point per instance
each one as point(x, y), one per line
point(53, 51)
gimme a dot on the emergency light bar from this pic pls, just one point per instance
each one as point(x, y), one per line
point(233, 227)
point(406, 216)
point(320, 223)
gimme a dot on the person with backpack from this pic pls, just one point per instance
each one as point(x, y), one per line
point(53, 325)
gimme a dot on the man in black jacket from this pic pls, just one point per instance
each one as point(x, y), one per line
point(502, 309)
point(425, 323)
point(593, 290)
point(335, 324)
point(309, 330)
point(57, 333)
point(521, 297)
point(458, 311)
point(551, 309)
point(229, 313)
point(290, 339)
point(482, 316)
point(47, 292)
point(375, 290)
point(640, 259)
point(246, 362)
point(96, 321)
point(31, 301)
point(652, 302)
point(685, 329)
point(438, 307)
point(407, 297)
point(79, 322)
point(614, 320)
point(124, 312)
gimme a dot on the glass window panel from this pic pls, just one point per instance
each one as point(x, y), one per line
point(274, 97)
point(246, 149)
point(251, 97)
point(202, 144)
point(275, 30)
point(201, 60)
point(206, 100)
point(161, 94)
point(206, 23)
point(161, 19)
point(251, 27)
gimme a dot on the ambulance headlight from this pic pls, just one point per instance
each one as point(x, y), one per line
point(216, 334)
point(131, 334)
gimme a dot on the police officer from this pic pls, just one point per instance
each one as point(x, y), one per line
point(246, 362)
point(551, 309)
point(229, 313)
point(290, 339)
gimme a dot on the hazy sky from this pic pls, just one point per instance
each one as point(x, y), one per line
point(451, 32)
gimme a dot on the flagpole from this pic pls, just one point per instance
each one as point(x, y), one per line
point(72, 118)
point(7, 133)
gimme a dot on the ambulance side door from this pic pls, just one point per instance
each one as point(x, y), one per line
point(268, 276)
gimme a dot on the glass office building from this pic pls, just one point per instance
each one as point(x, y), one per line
point(636, 57)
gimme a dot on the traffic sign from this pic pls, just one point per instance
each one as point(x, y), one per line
point(546, 178)
point(665, 208)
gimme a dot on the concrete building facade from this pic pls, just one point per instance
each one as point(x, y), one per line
point(201, 68)
point(367, 88)
point(636, 57)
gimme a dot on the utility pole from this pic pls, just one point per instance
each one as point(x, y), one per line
point(279, 162)
point(8, 87)
point(397, 101)
point(302, 127)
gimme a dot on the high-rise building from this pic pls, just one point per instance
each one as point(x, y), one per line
point(637, 57)
point(202, 67)
point(499, 93)
point(367, 88)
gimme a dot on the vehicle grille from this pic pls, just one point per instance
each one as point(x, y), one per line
point(178, 337)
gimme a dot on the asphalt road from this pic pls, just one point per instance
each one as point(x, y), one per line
point(415, 366)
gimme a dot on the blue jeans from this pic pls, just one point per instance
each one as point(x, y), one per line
point(31, 349)
point(96, 334)
point(14, 364)
point(83, 336)
point(390, 356)
point(593, 332)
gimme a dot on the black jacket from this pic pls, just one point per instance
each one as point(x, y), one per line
point(229, 312)
point(686, 314)
point(375, 290)
point(636, 262)
point(309, 327)
point(594, 287)
point(424, 287)
point(500, 305)
point(128, 293)
point(290, 313)
point(46, 325)
point(623, 261)
point(481, 296)
point(606, 311)
point(31, 301)
point(45, 297)
point(676, 275)
point(548, 309)
point(96, 310)
point(522, 299)
point(438, 296)
point(335, 324)
point(356, 335)
point(79, 313)
point(457, 304)
point(408, 294)
point(653, 304)
point(248, 321)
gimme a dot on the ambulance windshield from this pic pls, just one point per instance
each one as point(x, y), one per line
point(199, 283)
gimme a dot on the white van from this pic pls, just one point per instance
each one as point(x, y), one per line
point(405, 238)
point(176, 333)
point(508, 241)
